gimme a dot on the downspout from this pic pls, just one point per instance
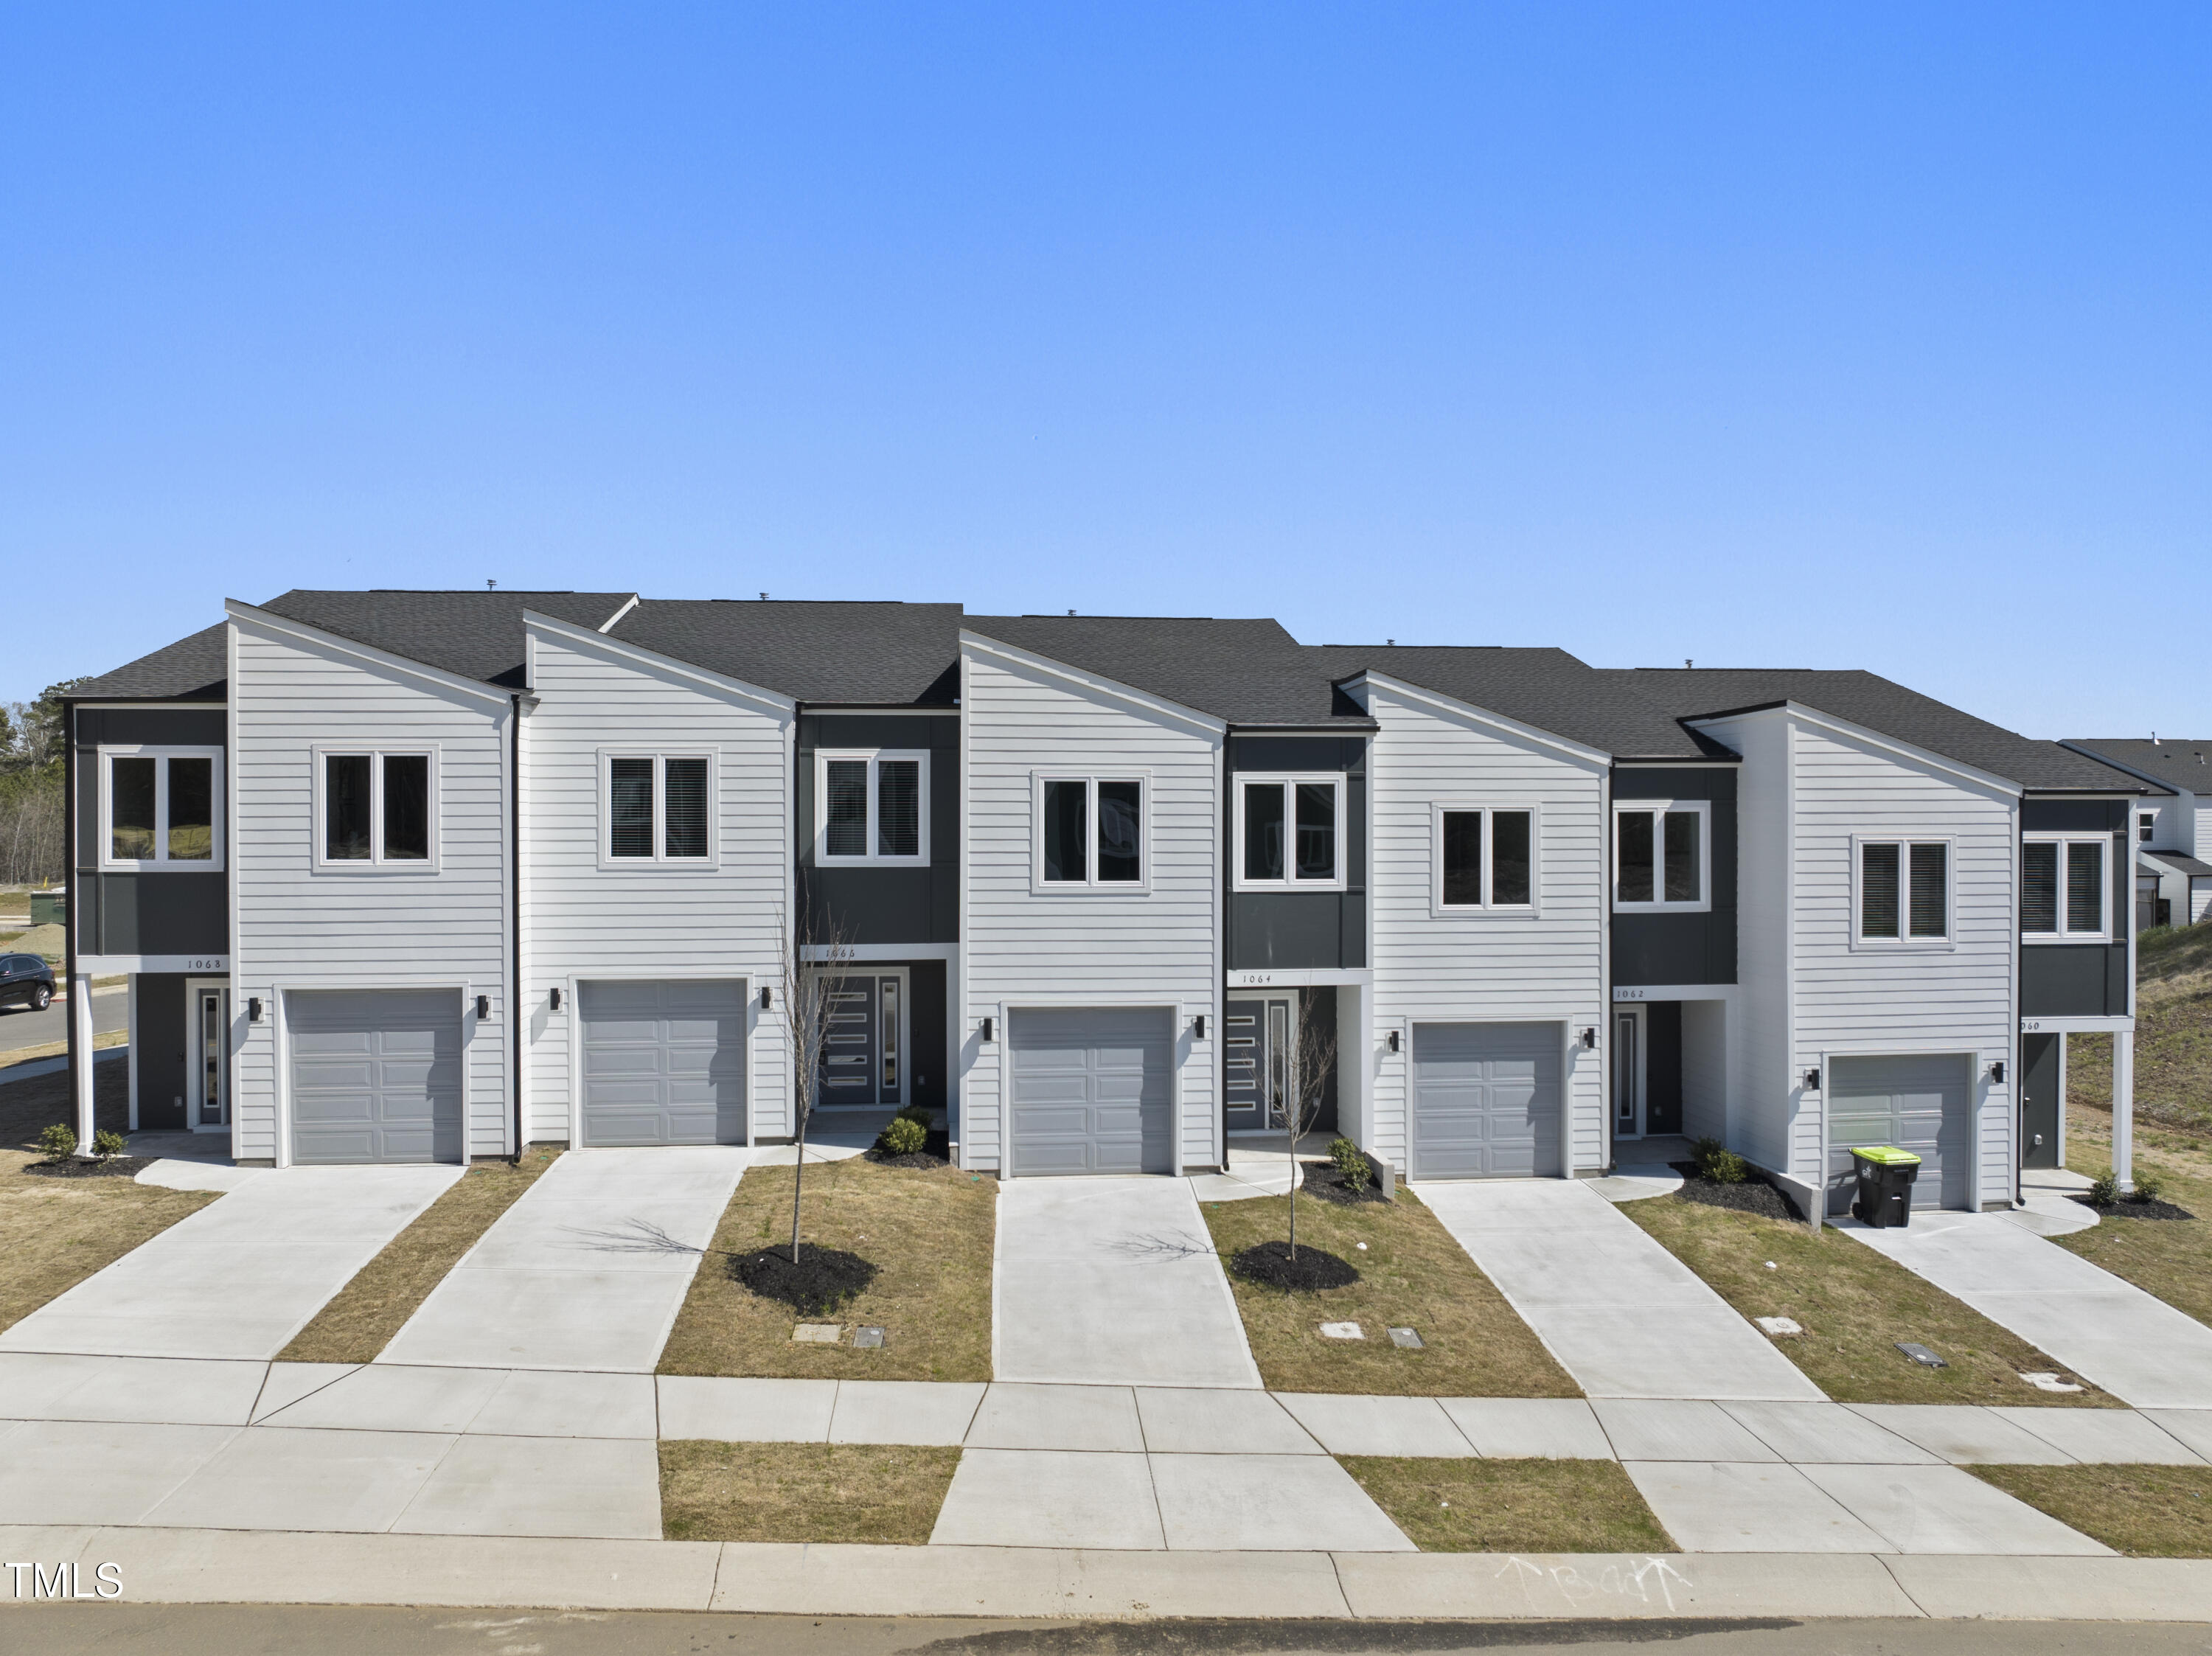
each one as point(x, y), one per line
point(514, 1007)
point(2016, 1073)
point(79, 1054)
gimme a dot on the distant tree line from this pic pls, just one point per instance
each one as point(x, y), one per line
point(32, 815)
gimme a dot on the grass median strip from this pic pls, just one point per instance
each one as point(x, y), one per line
point(1511, 1506)
point(2169, 1258)
point(1854, 1307)
point(927, 1231)
point(1412, 1274)
point(361, 1320)
point(826, 1492)
point(2146, 1512)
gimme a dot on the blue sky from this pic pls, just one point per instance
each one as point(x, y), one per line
point(1851, 336)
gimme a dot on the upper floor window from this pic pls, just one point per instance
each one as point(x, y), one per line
point(1484, 859)
point(872, 806)
point(2144, 824)
point(2062, 888)
point(1663, 856)
point(1904, 891)
point(1289, 832)
point(657, 808)
point(1090, 834)
point(376, 808)
point(160, 807)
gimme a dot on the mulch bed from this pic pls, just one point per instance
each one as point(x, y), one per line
point(936, 1151)
point(1323, 1179)
point(1270, 1263)
point(1754, 1195)
point(823, 1279)
point(116, 1167)
point(2153, 1209)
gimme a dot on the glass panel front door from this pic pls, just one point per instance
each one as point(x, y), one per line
point(863, 1057)
point(1628, 1074)
point(212, 1072)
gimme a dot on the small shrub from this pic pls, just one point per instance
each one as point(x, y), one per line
point(916, 1113)
point(59, 1142)
point(903, 1136)
point(1350, 1164)
point(2148, 1185)
point(107, 1144)
point(1718, 1162)
point(2104, 1191)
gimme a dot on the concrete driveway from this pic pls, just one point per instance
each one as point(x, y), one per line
point(2133, 1344)
point(242, 1276)
point(586, 1271)
point(1112, 1282)
point(1623, 1315)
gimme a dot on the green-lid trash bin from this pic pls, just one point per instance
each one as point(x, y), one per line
point(1885, 1175)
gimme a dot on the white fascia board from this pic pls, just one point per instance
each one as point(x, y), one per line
point(585, 637)
point(1496, 721)
point(250, 615)
point(1859, 733)
point(608, 625)
point(1159, 705)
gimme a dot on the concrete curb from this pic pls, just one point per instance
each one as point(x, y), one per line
point(268, 1567)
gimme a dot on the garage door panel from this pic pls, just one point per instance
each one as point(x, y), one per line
point(1921, 1103)
point(1092, 1091)
point(663, 1062)
point(376, 1075)
point(1486, 1100)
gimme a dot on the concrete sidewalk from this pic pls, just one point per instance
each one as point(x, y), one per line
point(1623, 1315)
point(1112, 1280)
point(2132, 1344)
point(586, 1271)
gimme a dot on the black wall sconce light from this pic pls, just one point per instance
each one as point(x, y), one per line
point(1996, 1073)
point(1197, 1027)
point(1588, 1036)
point(556, 1000)
point(483, 1006)
point(988, 1023)
point(1393, 1039)
point(768, 998)
point(253, 1008)
point(1812, 1081)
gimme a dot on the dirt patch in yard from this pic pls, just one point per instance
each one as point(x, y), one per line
point(1511, 1506)
point(1854, 1307)
point(808, 1492)
point(361, 1320)
point(929, 1235)
point(1412, 1274)
point(815, 1284)
point(2146, 1512)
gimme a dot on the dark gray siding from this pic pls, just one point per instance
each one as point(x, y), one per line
point(886, 905)
point(1662, 1067)
point(180, 913)
point(160, 1036)
point(1293, 930)
point(1683, 948)
point(2081, 980)
point(925, 1042)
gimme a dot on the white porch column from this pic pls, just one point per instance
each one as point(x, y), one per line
point(2123, 1107)
point(82, 1057)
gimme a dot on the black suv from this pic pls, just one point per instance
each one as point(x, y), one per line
point(26, 980)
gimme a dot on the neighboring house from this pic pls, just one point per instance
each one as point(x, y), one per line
point(432, 876)
point(2173, 826)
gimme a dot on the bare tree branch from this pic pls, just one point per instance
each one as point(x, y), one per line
point(1296, 1090)
point(816, 952)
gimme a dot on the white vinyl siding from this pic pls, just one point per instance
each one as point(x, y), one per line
point(592, 918)
point(298, 926)
point(1764, 1095)
point(1539, 964)
point(1026, 943)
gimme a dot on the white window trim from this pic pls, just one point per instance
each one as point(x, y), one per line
point(1906, 942)
point(1658, 808)
point(375, 863)
point(1287, 781)
point(2103, 934)
point(1090, 885)
point(874, 758)
point(1533, 908)
point(660, 757)
point(160, 862)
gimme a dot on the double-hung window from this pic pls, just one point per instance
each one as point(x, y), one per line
point(1484, 857)
point(2062, 888)
point(160, 807)
point(1661, 856)
point(1091, 833)
point(1904, 892)
point(657, 808)
point(376, 808)
point(872, 808)
point(1289, 832)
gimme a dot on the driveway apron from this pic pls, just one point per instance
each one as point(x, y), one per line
point(2136, 1346)
point(243, 1275)
point(1623, 1315)
point(1112, 1282)
point(586, 1271)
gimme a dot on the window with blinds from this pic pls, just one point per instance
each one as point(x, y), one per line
point(2062, 888)
point(658, 808)
point(871, 808)
point(1904, 891)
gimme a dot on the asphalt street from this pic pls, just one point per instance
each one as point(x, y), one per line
point(277, 1630)
point(20, 1027)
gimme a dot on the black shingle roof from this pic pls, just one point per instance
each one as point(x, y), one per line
point(194, 668)
point(891, 654)
point(1245, 672)
point(1875, 703)
point(2179, 763)
point(476, 634)
point(1547, 688)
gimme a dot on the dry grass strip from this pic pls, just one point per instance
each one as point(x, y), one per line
point(2146, 1512)
point(858, 1492)
point(1511, 1506)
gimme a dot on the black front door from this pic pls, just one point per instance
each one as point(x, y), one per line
point(2039, 1102)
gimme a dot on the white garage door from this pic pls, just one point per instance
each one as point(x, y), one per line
point(1093, 1090)
point(1486, 1100)
point(376, 1075)
point(663, 1063)
point(1919, 1104)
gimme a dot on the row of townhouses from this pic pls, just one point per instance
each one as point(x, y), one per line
point(415, 875)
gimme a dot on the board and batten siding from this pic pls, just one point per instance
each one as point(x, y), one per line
point(1545, 967)
point(1160, 947)
point(651, 919)
point(301, 927)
